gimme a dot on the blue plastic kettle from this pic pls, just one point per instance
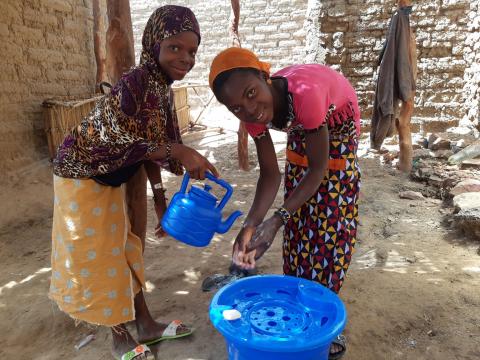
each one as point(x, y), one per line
point(194, 217)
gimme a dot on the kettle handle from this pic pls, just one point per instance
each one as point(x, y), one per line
point(210, 176)
point(186, 179)
point(223, 184)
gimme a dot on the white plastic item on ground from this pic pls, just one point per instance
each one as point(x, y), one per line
point(87, 339)
point(469, 152)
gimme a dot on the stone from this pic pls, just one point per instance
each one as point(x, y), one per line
point(469, 221)
point(467, 217)
point(470, 164)
point(470, 152)
point(466, 186)
point(443, 154)
point(435, 180)
point(411, 195)
point(422, 154)
point(423, 173)
point(467, 201)
point(436, 142)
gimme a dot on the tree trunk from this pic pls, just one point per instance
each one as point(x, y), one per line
point(120, 58)
point(242, 145)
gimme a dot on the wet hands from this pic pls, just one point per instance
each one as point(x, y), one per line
point(240, 256)
point(264, 236)
point(252, 242)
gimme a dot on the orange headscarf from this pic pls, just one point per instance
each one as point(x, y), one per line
point(233, 58)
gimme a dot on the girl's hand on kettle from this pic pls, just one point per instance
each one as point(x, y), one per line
point(195, 163)
point(240, 256)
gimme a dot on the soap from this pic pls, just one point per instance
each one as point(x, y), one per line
point(231, 314)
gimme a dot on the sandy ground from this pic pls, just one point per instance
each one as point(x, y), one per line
point(412, 292)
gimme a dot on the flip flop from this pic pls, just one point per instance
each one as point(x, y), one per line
point(170, 333)
point(137, 351)
point(341, 341)
point(217, 281)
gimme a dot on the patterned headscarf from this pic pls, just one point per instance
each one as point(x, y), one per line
point(136, 118)
point(166, 21)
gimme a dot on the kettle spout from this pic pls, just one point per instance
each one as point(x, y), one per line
point(224, 226)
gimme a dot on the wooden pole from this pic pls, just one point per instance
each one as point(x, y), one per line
point(403, 122)
point(242, 145)
point(98, 45)
point(120, 50)
point(120, 58)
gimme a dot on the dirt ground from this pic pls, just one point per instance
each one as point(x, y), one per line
point(412, 292)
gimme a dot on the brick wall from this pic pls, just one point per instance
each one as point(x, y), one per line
point(272, 28)
point(47, 51)
point(447, 33)
point(353, 32)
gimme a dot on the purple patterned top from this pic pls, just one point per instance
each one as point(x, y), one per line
point(136, 118)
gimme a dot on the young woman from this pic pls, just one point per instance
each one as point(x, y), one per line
point(318, 109)
point(97, 262)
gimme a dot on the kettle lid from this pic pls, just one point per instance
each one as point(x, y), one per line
point(203, 194)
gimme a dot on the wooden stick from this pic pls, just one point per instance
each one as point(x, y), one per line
point(242, 145)
point(403, 122)
point(99, 48)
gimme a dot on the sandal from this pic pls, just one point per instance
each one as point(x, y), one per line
point(341, 341)
point(137, 351)
point(170, 332)
point(216, 281)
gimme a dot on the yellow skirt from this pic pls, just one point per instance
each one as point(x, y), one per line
point(97, 262)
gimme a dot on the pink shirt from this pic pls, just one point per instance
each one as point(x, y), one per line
point(314, 89)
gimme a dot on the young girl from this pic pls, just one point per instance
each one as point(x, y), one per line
point(97, 262)
point(318, 109)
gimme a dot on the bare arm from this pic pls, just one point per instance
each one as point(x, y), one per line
point(154, 177)
point(267, 188)
point(317, 151)
point(268, 182)
point(195, 163)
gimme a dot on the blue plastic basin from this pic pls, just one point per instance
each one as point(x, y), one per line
point(282, 318)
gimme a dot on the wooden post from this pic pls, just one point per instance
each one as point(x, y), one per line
point(242, 145)
point(403, 122)
point(120, 50)
point(120, 58)
point(98, 44)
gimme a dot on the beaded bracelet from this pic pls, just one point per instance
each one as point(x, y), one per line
point(284, 214)
point(168, 147)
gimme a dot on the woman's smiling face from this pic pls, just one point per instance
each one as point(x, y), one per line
point(247, 95)
point(177, 54)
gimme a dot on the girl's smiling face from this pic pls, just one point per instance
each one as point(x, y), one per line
point(247, 95)
point(177, 54)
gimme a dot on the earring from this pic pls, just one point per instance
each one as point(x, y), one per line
point(269, 81)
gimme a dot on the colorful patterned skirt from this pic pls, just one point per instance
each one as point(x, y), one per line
point(97, 262)
point(319, 239)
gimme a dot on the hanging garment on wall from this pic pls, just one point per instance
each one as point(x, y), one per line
point(395, 77)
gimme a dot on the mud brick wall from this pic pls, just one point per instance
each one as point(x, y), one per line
point(46, 51)
point(272, 28)
point(447, 33)
point(353, 32)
